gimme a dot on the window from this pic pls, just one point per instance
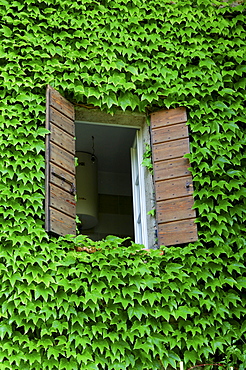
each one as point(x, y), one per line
point(120, 140)
point(110, 146)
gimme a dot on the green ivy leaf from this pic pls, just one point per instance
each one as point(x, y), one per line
point(43, 292)
point(190, 356)
point(137, 311)
point(69, 259)
point(132, 69)
point(6, 31)
point(220, 105)
point(53, 351)
point(125, 100)
point(5, 329)
point(42, 131)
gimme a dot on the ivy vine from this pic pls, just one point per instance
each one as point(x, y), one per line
point(106, 306)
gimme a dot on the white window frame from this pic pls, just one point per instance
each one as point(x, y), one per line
point(138, 189)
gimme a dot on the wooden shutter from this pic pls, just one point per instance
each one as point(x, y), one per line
point(173, 181)
point(60, 206)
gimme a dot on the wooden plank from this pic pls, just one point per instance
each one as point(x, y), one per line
point(175, 209)
point(60, 150)
point(168, 117)
point(61, 104)
point(173, 181)
point(61, 224)
point(62, 139)
point(62, 121)
point(168, 133)
point(62, 201)
point(177, 232)
point(171, 169)
point(47, 163)
point(62, 158)
point(169, 189)
point(170, 149)
point(61, 173)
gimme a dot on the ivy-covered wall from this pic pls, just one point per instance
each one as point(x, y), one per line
point(120, 308)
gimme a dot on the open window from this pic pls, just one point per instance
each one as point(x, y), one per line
point(105, 200)
point(110, 151)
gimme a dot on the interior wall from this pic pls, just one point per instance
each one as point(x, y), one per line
point(114, 206)
point(114, 217)
point(115, 212)
point(114, 183)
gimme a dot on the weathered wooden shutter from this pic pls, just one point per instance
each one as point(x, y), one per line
point(60, 206)
point(173, 181)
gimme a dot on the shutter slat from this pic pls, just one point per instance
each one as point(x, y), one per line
point(60, 206)
point(61, 138)
point(61, 178)
point(170, 133)
point(61, 104)
point(61, 223)
point(173, 181)
point(173, 209)
point(178, 232)
point(62, 201)
point(168, 117)
point(171, 149)
point(171, 169)
point(62, 121)
point(62, 158)
point(168, 189)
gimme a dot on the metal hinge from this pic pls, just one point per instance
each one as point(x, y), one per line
point(63, 178)
point(188, 185)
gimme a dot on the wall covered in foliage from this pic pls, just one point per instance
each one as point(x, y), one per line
point(120, 308)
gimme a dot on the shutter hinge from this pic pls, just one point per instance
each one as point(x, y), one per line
point(188, 185)
point(63, 178)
